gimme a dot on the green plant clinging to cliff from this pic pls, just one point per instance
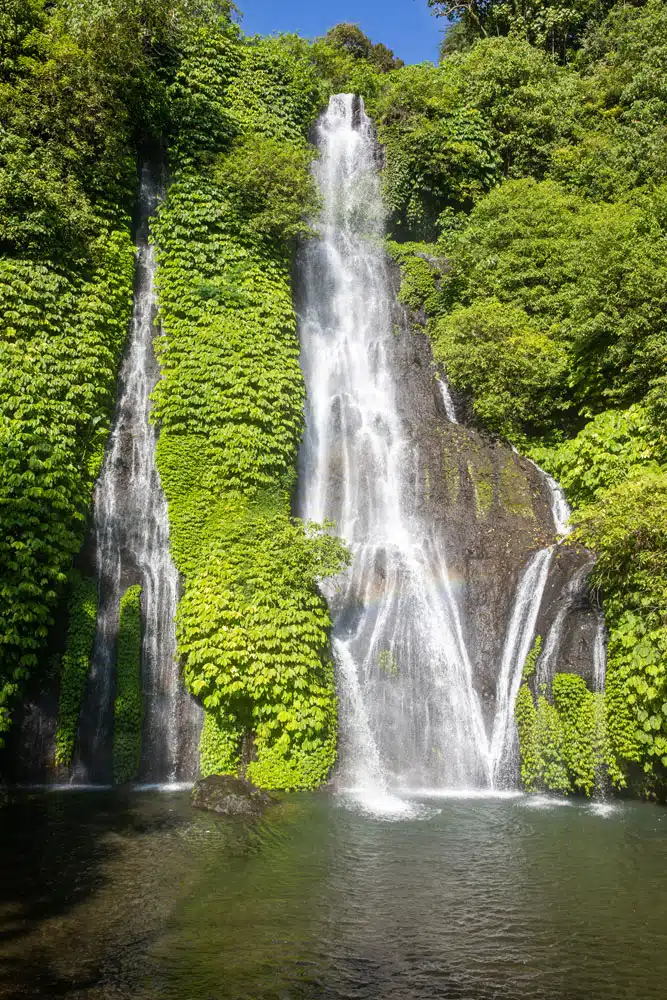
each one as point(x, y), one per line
point(81, 83)
point(252, 627)
point(563, 740)
point(128, 702)
point(75, 665)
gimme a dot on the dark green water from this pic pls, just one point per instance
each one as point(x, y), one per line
point(136, 895)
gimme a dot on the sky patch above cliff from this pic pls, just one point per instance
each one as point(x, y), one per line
point(406, 26)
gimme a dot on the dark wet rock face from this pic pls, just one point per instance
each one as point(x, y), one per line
point(230, 796)
point(492, 509)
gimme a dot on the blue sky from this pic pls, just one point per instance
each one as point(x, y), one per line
point(406, 26)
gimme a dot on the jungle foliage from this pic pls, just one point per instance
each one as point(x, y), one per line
point(82, 86)
point(128, 709)
point(557, 26)
point(252, 626)
point(75, 664)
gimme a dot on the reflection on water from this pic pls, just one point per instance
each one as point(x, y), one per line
point(135, 895)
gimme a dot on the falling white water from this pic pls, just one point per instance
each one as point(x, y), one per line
point(560, 508)
point(409, 712)
point(518, 640)
point(574, 591)
point(132, 546)
point(600, 656)
point(450, 409)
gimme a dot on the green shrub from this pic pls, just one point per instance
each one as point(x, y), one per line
point(625, 526)
point(515, 373)
point(252, 626)
point(128, 702)
point(614, 445)
point(563, 742)
point(75, 665)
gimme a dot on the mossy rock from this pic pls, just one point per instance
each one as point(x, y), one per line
point(230, 796)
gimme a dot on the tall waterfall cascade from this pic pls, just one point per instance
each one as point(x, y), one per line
point(411, 710)
point(131, 529)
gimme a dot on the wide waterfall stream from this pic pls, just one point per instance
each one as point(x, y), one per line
point(409, 712)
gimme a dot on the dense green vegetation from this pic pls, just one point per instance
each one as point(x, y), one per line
point(128, 707)
point(66, 190)
point(563, 741)
point(82, 87)
point(75, 665)
point(252, 627)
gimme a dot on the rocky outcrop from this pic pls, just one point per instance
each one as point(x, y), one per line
point(492, 509)
point(230, 796)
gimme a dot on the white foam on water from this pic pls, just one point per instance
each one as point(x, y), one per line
point(163, 786)
point(546, 802)
point(464, 794)
point(383, 805)
point(603, 809)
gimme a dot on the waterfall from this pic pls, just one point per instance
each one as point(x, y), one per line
point(560, 508)
point(131, 529)
point(450, 409)
point(409, 712)
point(410, 690)
point(521, 633)
point(600, 656)
point(518, 640)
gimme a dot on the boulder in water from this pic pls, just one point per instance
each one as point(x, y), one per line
point(230, 796)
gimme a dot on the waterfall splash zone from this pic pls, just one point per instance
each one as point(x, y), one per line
point(131, 529)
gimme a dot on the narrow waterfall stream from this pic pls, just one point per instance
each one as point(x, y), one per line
point(409, 712)
point(574, 591)
point(132, 546)
point(447, 400)
point(519, 638)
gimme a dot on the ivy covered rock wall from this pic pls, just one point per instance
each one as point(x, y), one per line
point(252, 627)
point(67, 179)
